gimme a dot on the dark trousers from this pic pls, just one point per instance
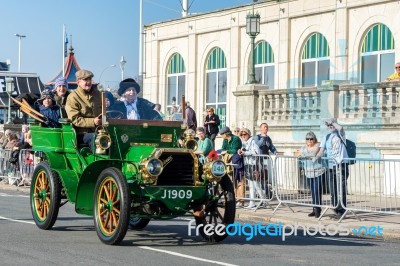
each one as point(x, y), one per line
point(212, 138)
point(316, 189)
point(334, 187)
point(86, 139)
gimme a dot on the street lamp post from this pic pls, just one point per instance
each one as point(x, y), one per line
point(252, 29)
point(122, 63)
point(10, 90)
point(19, 49)
point(101, 74)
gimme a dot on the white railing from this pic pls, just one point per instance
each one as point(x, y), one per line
point(351, 101)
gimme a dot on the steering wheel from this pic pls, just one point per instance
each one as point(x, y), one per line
point(113, 114)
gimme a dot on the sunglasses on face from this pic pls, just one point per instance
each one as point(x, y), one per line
point(397, 67)
point(309, 138)
point(243, 134)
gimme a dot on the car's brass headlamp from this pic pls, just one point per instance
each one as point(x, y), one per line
point(189, 142)
point(150, 170)
point(102, 142)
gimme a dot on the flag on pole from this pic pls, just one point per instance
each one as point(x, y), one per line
point(65, 45)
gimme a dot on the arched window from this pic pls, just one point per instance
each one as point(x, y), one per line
point(216, 90)
point(264, 64)
point(315, 61)
point(176, 81)
point(377, 54)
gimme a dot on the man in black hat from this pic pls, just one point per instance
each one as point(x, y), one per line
point(136, 108)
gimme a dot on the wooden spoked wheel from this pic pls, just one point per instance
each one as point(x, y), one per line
point(112, 206)
point(45, 196)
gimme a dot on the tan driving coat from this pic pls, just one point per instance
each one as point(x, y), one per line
point(82, 108)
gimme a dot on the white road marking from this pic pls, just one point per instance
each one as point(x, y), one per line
point(187, 256)
point(183, 219)
point(18, 221)
point(9, 195)
point(341, 239)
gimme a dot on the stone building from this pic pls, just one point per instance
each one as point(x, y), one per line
point(314, 59)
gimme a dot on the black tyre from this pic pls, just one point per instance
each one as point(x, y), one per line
point(218, 212)
point(138, 223)
point(111, 206)
point(45, 196)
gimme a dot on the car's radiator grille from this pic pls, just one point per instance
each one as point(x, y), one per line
point(179, 171)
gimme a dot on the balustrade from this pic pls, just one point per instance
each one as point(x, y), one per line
point(356, 101)
point(370, 101)
point(285, 105)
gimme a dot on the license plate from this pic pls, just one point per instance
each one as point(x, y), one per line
point(176, 194)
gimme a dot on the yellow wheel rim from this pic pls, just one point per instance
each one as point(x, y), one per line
point(42, 198)
point(108, 206)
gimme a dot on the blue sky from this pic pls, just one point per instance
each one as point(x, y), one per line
point(102, 31)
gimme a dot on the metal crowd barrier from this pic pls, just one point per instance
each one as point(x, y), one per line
point(27, 162)
point(9, 172)
point(373, 186)
point(3, 161)
point(293, 187)
point(256, 180)
point(259, 179)
point(13, 173)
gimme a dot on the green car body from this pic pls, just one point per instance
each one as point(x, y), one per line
point(142, 161)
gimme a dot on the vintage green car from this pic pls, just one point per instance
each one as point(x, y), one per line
point(136, 172)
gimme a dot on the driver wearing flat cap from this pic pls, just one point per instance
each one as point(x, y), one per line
point(83, 106)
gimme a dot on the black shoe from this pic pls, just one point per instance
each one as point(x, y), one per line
point(317, 212)
point(312, 213)
point(339, 211)
point(338, 215)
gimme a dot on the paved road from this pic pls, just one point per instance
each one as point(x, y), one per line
point(73, 240)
